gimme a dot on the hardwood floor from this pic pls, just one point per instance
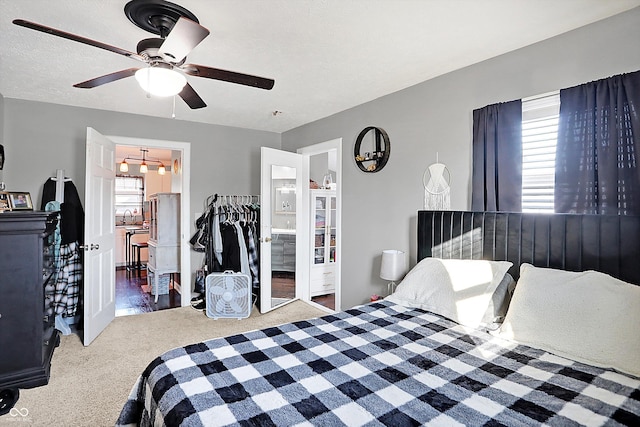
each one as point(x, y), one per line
point(283, 286)
point(133, 297)
point(328, 300)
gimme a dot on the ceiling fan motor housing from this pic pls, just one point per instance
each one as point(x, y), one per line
point(149, 49)
point(156, 16)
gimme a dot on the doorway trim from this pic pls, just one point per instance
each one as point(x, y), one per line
point(308, 151)
point(185, 202)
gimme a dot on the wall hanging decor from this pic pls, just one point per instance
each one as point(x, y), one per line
point(436, 180)
point(372, 149)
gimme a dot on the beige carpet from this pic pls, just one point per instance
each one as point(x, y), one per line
point(89, 385)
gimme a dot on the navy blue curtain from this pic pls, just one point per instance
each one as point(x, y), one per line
point(597, 153)
point(496, 183)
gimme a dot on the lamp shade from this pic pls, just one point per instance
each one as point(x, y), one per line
point(160, 81)
point(393, 265)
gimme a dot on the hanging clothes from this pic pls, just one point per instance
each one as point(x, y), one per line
point(63, 290)
point(71, 211)
point(231, 250)
point(227, 233)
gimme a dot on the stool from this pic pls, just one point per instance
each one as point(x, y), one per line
point(136, 254)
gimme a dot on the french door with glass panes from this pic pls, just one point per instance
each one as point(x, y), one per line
point(323, 242)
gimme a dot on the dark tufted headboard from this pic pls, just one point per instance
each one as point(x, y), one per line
point(606, 243)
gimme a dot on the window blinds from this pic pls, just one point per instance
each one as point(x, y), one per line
point(539, 137)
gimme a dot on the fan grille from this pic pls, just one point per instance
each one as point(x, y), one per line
point(228, 295)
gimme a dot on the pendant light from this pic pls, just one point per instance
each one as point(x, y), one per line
point(144, 167)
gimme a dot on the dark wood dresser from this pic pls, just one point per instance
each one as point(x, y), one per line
point(27, 334)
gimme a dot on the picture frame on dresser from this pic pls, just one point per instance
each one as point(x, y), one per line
point(5, 205)
point(20, 201)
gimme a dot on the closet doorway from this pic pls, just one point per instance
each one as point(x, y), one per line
point(133, 287)
point(324, 198)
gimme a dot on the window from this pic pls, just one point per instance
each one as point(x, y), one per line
point(129, 195)
point(540, 116)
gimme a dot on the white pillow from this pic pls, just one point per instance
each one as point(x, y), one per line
point(460, 290)
point(589, 317)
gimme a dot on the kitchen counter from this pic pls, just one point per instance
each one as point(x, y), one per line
point(129, 230)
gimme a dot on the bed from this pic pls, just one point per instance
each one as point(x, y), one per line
point(401, 361)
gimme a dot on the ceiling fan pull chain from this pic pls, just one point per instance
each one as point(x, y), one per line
point(173, 112)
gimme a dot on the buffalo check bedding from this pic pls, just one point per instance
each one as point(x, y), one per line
point(377, 364)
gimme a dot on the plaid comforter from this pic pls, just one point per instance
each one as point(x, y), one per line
point(377, 364)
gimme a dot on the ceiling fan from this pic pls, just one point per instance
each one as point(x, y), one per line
point(180, 32)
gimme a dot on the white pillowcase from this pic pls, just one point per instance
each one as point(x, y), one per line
point(461, 290)
point(586, 316)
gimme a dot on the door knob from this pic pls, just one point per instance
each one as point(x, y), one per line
point(265, 240)
point(90, 247)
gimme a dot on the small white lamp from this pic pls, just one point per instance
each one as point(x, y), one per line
point(392, 268)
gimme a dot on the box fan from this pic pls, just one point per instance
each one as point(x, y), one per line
point(228, 295)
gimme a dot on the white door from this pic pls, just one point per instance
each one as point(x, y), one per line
point(283, 227)
point(99, 238)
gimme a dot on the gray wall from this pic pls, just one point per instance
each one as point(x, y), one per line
point(318, 167)
point(40, 138)
point(379, 209)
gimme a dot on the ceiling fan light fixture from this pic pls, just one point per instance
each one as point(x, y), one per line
point(124, 166)
point(160, 81)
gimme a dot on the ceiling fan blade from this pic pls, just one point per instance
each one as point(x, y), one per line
point(80, 39)
point(191, 98)
point(228, 76)
point(185, 35)
point(107, 78)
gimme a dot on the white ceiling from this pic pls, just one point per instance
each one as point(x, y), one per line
point(325, 55)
